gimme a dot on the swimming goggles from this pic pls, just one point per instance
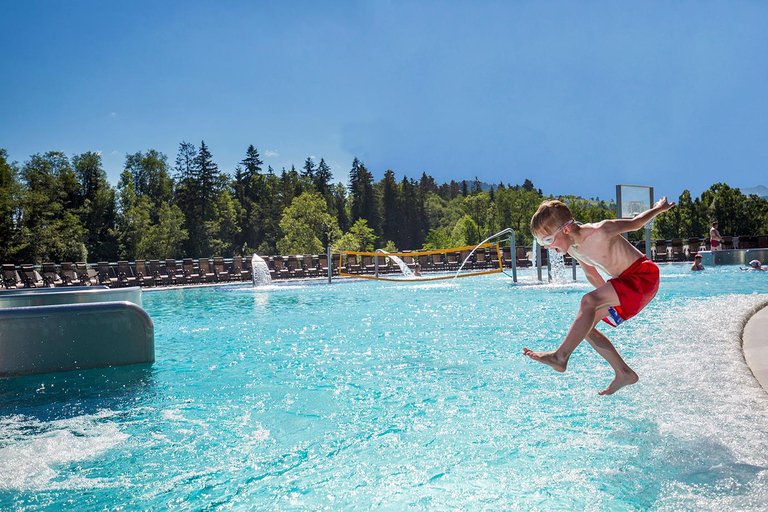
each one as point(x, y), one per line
point(550, 239)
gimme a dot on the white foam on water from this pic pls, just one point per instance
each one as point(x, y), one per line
point(39, 461)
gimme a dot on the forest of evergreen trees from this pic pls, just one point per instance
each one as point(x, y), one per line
point(57, 208)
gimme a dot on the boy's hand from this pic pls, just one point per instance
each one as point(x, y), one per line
point(663, 205)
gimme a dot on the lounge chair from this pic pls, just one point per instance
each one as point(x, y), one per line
point(125, 274)
point(238, 270)
point(521, 257)
point(481, 259)
point(51, 278)
point(762, 241)
point(107, 275)
point(191, 273)
point(493, 257)
point(294, 265)
point(452, 260)
point(438, 261)
point(88, 276)
point(727, 243)
point(426, 265)
point(31, 277)
point(160, 273)
point(143, 274)
point(11, 278)
point(693, 247)
point(207, 275)
point(175, 272)
point(677, 250)
point(367, 265)
point(353, 267)
point(222, 274)
point(322, 264)
point(661, 251)
point(463, 257)
point(310, 268)
point(69, 274)
point(747, 242)
point(281, 272)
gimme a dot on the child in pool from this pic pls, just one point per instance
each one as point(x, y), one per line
point(697, 263)
point(755, 265)
point(633, 284)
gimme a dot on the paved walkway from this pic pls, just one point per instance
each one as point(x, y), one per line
point(755, 345)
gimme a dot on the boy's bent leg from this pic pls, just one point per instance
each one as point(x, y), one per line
point(592, 309)
point(624, 374)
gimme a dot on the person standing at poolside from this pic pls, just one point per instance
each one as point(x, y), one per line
point(633, 284)
point(714, 237)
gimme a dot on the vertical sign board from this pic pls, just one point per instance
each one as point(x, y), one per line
point(632, 200)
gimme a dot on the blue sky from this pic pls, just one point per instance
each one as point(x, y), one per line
point(576, 96)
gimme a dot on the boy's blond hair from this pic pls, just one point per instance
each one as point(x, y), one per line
point(551, 215)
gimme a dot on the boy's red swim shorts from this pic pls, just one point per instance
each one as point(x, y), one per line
point(636, 287)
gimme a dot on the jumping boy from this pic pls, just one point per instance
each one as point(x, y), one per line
point(634, 280)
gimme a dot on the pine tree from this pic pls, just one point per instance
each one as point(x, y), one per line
point(391, 220)
point(308, 172)
point(206, 174)
point(249, 189)
point(187, 193)
point(322, 178)
point(363, 198)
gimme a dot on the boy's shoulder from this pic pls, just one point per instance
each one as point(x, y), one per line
point(600, 230)
point(595, 226)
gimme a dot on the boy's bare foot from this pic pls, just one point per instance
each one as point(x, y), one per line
point(618, 382)
point(547, 358)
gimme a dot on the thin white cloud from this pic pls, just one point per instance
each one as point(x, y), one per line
point(114, 153)
point(112, 114)
point(271, 153)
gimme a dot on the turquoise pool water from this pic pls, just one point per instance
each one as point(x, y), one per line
point(402, 395)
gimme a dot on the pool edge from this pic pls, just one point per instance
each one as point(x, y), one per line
point(754, 344)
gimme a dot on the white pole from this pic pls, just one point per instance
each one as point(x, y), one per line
point(513, 254)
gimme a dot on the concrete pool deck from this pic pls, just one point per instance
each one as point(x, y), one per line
point(754, 343)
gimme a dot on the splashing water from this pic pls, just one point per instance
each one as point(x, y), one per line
point(557, 266)
point(400, 263)
point(500, 233)
point(260, 275)
point(309, 398)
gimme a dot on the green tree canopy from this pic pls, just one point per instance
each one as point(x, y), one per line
point(304, 223)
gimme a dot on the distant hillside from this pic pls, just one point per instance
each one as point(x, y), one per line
point(760, 190)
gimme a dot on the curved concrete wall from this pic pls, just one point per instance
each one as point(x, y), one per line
point(61, 337)
point(733, 257)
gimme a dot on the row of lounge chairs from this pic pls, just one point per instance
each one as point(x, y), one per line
point(140, 273)
point(171, 272)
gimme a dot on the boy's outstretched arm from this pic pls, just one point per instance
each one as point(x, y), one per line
point(626, 225)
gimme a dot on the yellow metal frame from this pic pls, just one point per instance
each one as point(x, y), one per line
point(422, 253)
